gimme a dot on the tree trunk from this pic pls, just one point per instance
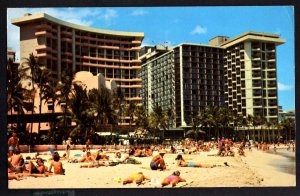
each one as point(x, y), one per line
point(40, 108)
point(30, 137)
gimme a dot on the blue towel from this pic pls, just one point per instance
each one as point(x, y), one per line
point(51, 150)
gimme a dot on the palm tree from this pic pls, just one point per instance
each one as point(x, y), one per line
point(249, 123)
point(268, 124)
point(31, 65)
point(45, 78)
point(65, 88)
point(211, 119)
point(195, 127)
point(79, 106)
point(157, 119)
point(255, 122)
point(288, 125)
point(130, 111)
point(142, 119)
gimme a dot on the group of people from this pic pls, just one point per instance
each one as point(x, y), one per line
point(18, 167)
point(36, 167)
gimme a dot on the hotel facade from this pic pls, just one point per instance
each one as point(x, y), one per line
point(237, 72)
point(61, 45)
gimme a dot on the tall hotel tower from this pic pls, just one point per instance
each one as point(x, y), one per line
point(185, 78)
point(62, 45)
point(238, 72)
point(250, 74)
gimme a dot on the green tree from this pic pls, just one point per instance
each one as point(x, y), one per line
point(31, 67)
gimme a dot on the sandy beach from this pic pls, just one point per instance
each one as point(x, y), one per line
point(253, 170)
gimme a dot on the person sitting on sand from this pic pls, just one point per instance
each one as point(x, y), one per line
point(158, 162)
point(182, 163)
point(17, 161)
point(138, 178)
point(139, 152)
point(173, 179)
point(39, 168)
point(241, 151)
point(100, 156)
point(57, 165)
point(229, 152)
point(131, 150)
point(148, 152)
point(173, 150)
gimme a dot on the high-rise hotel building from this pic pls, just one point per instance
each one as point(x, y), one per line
point(251, 74)
point(185, 78)
point(62, 45)
point(238, 72)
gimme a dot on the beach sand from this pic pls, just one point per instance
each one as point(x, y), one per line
point(254, 170)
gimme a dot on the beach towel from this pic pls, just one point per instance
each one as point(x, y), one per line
point(51, 149)
point(183, 184)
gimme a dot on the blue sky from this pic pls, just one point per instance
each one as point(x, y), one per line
point(187, 24)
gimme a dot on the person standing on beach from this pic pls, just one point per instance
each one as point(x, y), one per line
point(68, 143)
point(87, 144)
point(13, 144)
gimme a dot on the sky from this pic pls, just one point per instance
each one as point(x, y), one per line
point(174, 25)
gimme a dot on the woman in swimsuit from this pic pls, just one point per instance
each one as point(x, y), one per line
point(182, 163)
point(173, 179)
point(137, 177)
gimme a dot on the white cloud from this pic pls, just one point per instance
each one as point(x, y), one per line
point(199, 30)
point(82, 16)
point(284, 87)
point(139, 12)
point(278, 31)
point(147, 42)
point(109, 14)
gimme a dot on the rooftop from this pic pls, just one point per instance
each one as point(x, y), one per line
point(27, 18)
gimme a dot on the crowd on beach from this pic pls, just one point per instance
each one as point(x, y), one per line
point(19, 166)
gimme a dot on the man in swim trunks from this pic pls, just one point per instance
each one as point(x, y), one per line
point(173, 179)
point(158, 162)
point(13, 144)
point(37, 169)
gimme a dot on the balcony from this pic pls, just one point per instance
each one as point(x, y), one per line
point(271, 74)
point(66, 33)
point(44, 27)
point(136, 42)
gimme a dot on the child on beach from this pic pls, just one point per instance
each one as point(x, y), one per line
point(137, 177)
point(173, 179)
point(57, 165)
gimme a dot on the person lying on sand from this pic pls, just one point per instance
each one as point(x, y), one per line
point(182, 163)
point(57, 165)
point(100, 155)
point(173, 179)
point(158, 162)
point(98, 164)
point(119, 158)
point(138, 178)
point(13, 176)
point(88, 158)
